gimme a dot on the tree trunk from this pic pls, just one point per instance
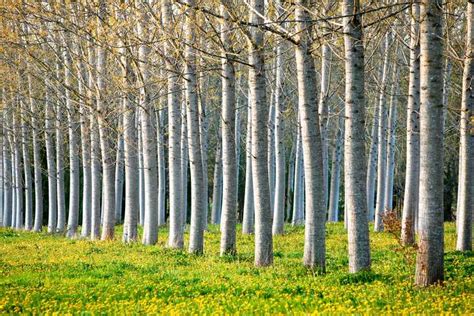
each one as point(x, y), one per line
point(280, 172)
point(333, 214)
point(261, 186)
point(174, 134)
point(249, 211)
point(119, 178)
point(147, 117)
point(315, 209)
point(61, 195)
point(354, 144)
point(196, 233)
point(50, 160)
point(74, 167)
point(412, 173)
point(298, 202)
point(392, 126)
point(466, 171)
point(429, 261)
point(105, 135)
point(229, 167)
point(382, 143)
point(217, 185)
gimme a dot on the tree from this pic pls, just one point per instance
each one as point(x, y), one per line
point(354, 147)
point(466, 169)
point(259, 113)
point(412, 172)
point(429, 260)
point(315, 208)
point(229, 167)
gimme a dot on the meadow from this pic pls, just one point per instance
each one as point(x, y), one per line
point(41, 273)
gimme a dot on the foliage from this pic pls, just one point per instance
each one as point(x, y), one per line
point(45, 274)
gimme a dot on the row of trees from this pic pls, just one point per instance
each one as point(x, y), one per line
point(133, 103)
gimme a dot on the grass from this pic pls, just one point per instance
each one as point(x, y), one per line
point(40, 273)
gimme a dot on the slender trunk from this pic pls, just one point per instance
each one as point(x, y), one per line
point(354, 144)
point(290, 182)
point(382, 144)
point(61, 195)
point(174, 134)
point(217, 187)
point(412, 172)
point(18, 164)
point(229, 167)
point(105, 135)
point(261, 186)
point(298, 203)
point(28, 181)
point(50, 160)
point(333, 215)
point(141, 174)
point(466, 171)
point(7, 169)
point(279, 194)
point(196, 233)
point(147, 119)
point(130, 138)
point(85, 145)
point(248, 212)
point(430, 262)
point(74, 167)
point(119, 179)
point(372, 165)
point(160, 131)
point(315, 208)
point(392, 126)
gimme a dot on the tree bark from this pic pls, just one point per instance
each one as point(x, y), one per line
point(429, 261)
point(354, 144)
point(412, 171)
point(261, 186)
point(465, 208)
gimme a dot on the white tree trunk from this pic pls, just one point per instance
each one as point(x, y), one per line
point(249, 211)
point(392, 127)
point(382, 142)
point(298, 202)
point(147, 119)
point(315, 208)
point(229, 166)
point(196, 233)
point(465, 203)
point(119, 178)
point(130, 137)
point(354, 144)
point(216, 210)
point(61, 195)
point(261, 186)
point(429, 262)
point(280, 172)
point(28, 181)
point(74, 167)
point(105, 132)
point(160, 131)
point(412, 172)
point(333, 214)
point(85, 143)
point(174, 134)
point(50, 160)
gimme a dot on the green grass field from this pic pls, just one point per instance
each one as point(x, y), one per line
point(40, 273)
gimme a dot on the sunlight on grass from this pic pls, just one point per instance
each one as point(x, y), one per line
point(44, 274)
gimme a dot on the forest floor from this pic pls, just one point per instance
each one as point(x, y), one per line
point(40, 273)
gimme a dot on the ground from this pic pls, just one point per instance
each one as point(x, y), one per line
point(40, 273)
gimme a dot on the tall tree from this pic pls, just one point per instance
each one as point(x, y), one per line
point(466, 170)
point(354, 145)
point(315, 208)
point(429, 261)
point(412, 172)
point(259, 113)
